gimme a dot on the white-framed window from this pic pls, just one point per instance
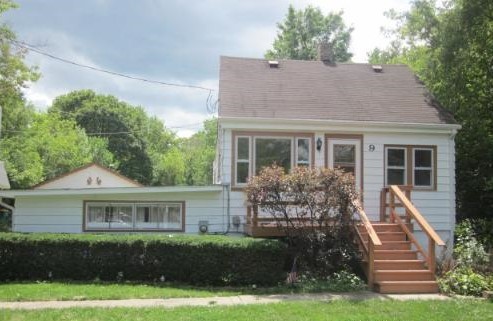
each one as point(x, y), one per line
point(242, 168)
point(253, 152)
point(133, 216)
point(395, 166)
point(411, 165)
point(423, 167)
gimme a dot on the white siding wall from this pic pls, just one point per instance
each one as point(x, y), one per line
point(64, 213)
point(437, 206)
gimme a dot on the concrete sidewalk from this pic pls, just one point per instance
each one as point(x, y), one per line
point(213, 301)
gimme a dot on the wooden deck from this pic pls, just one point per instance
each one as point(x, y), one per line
point(393, 260)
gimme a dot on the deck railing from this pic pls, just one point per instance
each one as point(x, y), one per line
point(368, 245)
point(395, 193)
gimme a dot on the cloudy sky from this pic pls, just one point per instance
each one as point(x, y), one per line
point(174, 41)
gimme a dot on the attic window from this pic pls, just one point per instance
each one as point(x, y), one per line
point(377, 68)
point(273, 63)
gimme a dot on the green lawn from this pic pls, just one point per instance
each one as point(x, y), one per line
point(44, 291)
point(452, 310)
point(99, 291)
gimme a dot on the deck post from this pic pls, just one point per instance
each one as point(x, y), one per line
point(392, 206)
point(383, 204)
point(431, 255)
point(371, 263)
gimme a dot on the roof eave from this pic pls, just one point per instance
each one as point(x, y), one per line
point(321, 124)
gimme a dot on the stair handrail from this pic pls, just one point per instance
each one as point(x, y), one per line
point(412, 212)
point(373, 240)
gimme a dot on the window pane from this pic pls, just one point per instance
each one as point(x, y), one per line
point(174, 214)
point(395, 177)
point(303, 150)
point(422, 158)
point(347, 169)
point(243, 148)
point(422, 177)
point(143, 214)
point(95, 214)
point(242, 172)
point(344, 154)
point(269, 151)
point(396, 157)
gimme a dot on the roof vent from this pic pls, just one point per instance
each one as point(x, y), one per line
point(273, 63)
point(377, 68)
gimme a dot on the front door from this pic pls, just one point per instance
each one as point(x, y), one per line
point(346, 155)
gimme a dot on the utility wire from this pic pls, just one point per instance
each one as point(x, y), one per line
point(24, 45)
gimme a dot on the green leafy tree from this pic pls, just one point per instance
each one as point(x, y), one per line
point(451, 50)
point(302, 31)
point(14, 76)
point(137, 140)
point(50, 147)
point(199, 152)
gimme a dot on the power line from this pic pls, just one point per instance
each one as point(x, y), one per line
point(24, 45)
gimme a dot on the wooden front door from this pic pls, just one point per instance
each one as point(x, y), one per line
point(346, 155)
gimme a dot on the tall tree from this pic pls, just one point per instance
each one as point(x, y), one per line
point(50, 147)
point(302, 31)
point(14, 75)
point(451, 50)
point(133, 137)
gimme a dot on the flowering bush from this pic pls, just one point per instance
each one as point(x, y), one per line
point(315, 209)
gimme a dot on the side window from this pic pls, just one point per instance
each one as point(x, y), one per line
point(423, 167)
point(242, 159)
point(395, 166)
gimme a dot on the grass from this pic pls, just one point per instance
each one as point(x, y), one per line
point(452, 310)
point(43, 291)
point(62, 291)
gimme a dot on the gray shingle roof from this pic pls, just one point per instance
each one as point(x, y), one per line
point(313, 90)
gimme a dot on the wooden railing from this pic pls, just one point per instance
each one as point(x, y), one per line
point(372, 241)
point(412, 213)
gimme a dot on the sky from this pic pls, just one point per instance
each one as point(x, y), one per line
point(174, 41)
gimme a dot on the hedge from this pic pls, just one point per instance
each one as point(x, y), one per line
point(209, 260)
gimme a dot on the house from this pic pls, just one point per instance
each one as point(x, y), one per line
point(377, 122)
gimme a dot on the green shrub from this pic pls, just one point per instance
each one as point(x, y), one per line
point(212, 260)
point(468, 251)
point(463, 281)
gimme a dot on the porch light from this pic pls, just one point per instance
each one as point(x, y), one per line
point(319, 144)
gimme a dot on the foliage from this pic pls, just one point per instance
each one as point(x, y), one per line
point(468, 252)
point(49, 147)
point(132, 135)
point(451, 49)
point(463, 281)
point(342, 281)
point(193, 260)
point(468, 273)
point(314, 208)
point(14, 76)
point(198, 153)
point(302, 31)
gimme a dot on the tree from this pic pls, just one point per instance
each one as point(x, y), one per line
point(137, 140)
point(199, 152)
point(451, 50)
point(14, 75)
point(302, 31)
point(48, 148)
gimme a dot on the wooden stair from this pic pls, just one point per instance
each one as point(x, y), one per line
point(397, 268)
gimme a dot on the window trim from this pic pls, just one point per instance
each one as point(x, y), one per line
point(263, 134)
point(237, 160)
point(133, 204)
point(409, 170)
point(406, 176)
point(414, 168)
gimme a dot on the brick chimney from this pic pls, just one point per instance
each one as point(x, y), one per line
point(325, 53)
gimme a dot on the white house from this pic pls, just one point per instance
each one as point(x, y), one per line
point(377, 122)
